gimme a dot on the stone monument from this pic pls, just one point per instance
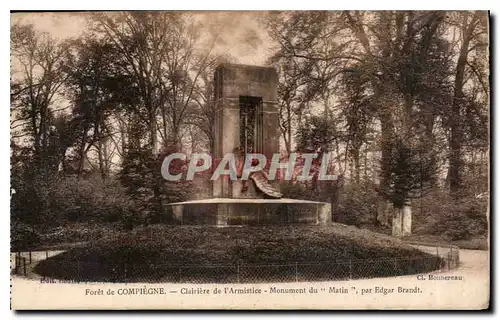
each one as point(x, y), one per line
point(246, 121)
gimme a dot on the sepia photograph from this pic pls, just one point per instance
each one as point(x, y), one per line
point(250, 160)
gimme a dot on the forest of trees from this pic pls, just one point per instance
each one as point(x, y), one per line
point(401, 98)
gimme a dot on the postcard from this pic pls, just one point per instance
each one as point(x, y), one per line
point(257, 160)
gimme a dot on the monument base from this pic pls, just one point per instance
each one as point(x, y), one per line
point(228, 212)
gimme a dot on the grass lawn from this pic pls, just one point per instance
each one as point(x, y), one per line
point(209, 254)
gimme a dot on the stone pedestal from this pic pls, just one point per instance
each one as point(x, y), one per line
point(401, 221)
point(406, 220)
point(234, 212)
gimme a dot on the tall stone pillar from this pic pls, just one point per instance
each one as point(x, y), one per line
point(236, 85)
point(401, 221)
point(406, 220)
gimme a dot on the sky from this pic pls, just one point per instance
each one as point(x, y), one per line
point(243, 37)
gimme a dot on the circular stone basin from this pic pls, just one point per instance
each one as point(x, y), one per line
point(226, 212)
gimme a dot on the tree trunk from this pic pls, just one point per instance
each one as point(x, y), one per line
point(123, 137)
point(288, 142)
point(385, 172)
point(382, 213)
point(336, 197)
point(100, 147)
point(455, 157)
point(397, 222)
point(357, 166)
point(81, 154)
point(365, 165)
point(153, 143)
point(153, 137)
point(101, 158)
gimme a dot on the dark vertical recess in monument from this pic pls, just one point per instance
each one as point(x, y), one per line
point(251, 124)
point(259, 128)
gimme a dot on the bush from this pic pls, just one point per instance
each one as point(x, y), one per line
point(463, 221)
point(453, 219)
point(143, 182)
point(47, 202)
point(78, 232)
point(89, 199)
point(297, 191)
point(29, 203)
point(357, 206)
point(23, 237)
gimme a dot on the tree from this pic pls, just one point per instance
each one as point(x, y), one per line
point(402, 43)
point(316, 135)
point(411, 171)
point(94, 87)
point(201, 115)
point(39, 77)
point(309, 59)
point(472, 27)
point(159, 55)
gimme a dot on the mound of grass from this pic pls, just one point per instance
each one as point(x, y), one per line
point(208, 254)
